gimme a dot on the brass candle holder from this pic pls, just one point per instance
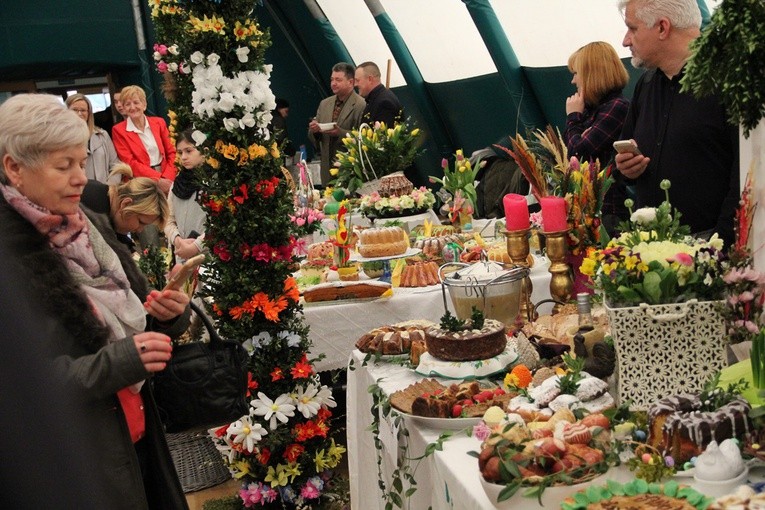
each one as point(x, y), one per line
point(518, 250)
point(561, 284)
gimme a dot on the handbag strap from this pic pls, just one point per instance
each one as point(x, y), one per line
point(214, 337)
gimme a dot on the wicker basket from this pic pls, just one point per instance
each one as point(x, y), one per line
point(666, 349)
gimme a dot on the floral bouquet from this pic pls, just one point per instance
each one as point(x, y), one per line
point(462, 177)
point(418, 201)
point(154, 263)
point(745, 290)
point(371, 152)
point(307, 220)
point(655, 261)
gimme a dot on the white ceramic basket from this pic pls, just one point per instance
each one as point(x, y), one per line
point(666, 349)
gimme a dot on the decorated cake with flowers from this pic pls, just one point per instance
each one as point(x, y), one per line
point(418, 201)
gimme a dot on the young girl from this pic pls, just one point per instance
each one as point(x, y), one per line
point(185, 226)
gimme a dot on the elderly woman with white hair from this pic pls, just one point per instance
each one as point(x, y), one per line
point(101, 330)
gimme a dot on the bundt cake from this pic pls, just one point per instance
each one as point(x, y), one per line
point(683, 425)
point(395, 185)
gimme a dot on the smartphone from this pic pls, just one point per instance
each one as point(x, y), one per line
point(622, 146)
point(184, 273)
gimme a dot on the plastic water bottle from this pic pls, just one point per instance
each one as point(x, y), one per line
point(303, 153)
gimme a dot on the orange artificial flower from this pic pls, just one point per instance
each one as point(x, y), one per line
point(243, 157)
point(213, 163)
point(301, 370)
point(523, 374)
point(256, 151)
point(277, 374)
point(293, 451)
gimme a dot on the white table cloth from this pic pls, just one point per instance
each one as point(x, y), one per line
point(336, 325)
point(446, 480)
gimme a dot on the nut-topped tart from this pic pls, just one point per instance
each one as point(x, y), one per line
point(474, 339)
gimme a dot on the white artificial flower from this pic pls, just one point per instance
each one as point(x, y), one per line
point(185, 68)
point(197, 57)
point(246, 433)
point(213, 59)
point(198, 137)
point(281, 409)
point(247, 121)
point(324, 397)
point(715, 242)
point(293, 339)
point(172, 67)
point(173, 49)
point(242, 53)
point(644, 215)
point(157, 56)
point(306, 401)
point(226, 102)
point(230, 124)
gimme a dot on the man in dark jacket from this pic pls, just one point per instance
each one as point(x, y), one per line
point(382, 103)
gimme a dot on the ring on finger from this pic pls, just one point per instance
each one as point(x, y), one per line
point(143, 347)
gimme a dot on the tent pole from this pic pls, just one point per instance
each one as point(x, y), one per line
point(414, 80)
point(529, 113)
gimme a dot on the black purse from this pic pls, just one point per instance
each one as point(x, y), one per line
point(204, 384)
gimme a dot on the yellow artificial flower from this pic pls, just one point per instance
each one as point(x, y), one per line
point(242, 468)
point(511, 380)
point(588, 266)
point(213, 163)
point(292, 470)
point(415, 131)
point(275, 151)
point(243, 157)
point(240, 31)
point(336, 451)
point(231, 151)
point(320, 461)
point(334, 171)
point(256, 151)
point(277, 477)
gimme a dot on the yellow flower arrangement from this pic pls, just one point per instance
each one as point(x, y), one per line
point(372, 152)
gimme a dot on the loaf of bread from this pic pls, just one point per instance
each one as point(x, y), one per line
point(332, 291)
point(382, 242)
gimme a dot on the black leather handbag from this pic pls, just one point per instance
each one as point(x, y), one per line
point(204, 384)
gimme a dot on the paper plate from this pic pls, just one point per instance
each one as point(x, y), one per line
point(355, 257)
point(434, 367)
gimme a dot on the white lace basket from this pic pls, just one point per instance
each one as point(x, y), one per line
point(666, 349)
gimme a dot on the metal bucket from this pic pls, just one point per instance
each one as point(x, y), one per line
point(493, 288)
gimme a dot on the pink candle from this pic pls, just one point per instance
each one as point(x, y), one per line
point(516, 212)
point(554, 217)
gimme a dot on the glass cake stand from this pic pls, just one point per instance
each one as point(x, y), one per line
point(386, 276)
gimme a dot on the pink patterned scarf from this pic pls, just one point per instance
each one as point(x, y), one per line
point(90, 260)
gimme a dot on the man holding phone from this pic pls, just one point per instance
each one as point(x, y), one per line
point(679, 137)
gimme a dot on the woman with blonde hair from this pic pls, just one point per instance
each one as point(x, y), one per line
point(144, 142)
point(101, 152)
point(131, 205)
point(108, 335)
point(595, 114)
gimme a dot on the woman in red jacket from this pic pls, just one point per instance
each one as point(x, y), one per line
point(144, 142)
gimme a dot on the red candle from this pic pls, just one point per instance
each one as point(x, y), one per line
point(516, 212)
point(554, 217)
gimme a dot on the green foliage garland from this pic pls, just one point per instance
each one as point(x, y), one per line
point(211, 53)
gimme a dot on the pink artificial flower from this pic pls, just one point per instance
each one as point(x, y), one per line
point(300, 247)
point(481, 431)
point(162, 66)
point(299, 221)
point(732, 276)
point(269, 495)
point(681, 258)
point(309, 491)
point(162, 49)
point(574, 163)
point(444, 164)
point(251, 496)
point(733, 300)
point(746, 296)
